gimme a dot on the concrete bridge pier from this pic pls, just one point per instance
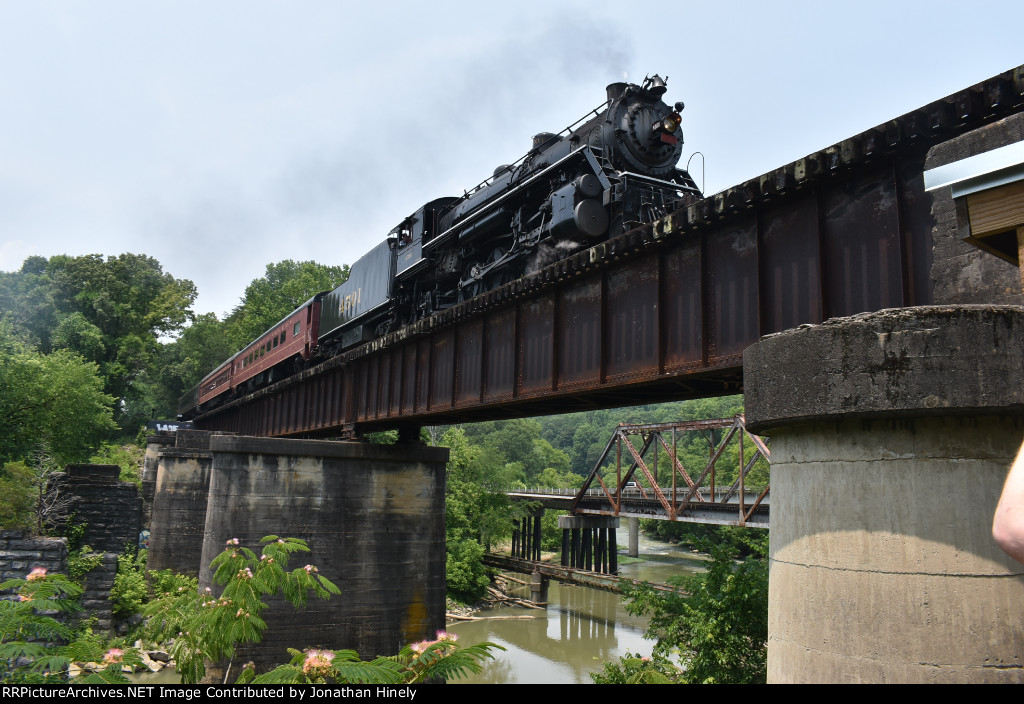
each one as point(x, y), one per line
point(373, 516)
point(181, 483)
point(154, 443)
point(891, 435)
point(588, 543)
point(539, 588)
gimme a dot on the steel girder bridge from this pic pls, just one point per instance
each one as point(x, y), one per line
point(659, 313)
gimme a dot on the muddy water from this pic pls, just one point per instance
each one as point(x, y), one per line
point(580, 630)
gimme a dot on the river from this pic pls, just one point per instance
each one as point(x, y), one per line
point(581, 629)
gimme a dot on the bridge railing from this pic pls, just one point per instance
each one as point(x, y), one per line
point(737, 463)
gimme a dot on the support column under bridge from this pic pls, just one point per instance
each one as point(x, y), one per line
point(372, 515)
point(588, 543)
point(891, 437)
point(181, 481)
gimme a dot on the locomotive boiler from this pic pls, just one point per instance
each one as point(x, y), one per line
point(610, 171)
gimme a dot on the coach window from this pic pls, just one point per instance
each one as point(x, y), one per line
point(275, 342)
point(295, 330)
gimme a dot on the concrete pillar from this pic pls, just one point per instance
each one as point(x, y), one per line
point(634, 537)
point(179, 510)
point(154, 443)
point(373, 516)
point(538, 589)
point(891, 434)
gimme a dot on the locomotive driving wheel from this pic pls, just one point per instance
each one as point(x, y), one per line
point(479, 278)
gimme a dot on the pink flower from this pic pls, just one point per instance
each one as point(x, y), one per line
point(317, 662)
point(245, 573)
point(232, 541)
point(444, 635)
point(36, 573)
point(112, 656)
point(311, 569)
point(421, 646)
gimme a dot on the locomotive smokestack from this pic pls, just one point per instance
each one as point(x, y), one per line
point(614, 90)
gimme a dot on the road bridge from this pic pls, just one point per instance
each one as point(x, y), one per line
point(662, 312)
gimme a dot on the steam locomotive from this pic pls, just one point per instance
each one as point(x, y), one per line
point(610, 171)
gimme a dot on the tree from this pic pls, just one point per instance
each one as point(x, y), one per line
point(477, 511)
point(285, 286)
point(113, 311)
point(108, 311)
point(53, 401)
point(26, 302)
point(717, 622)
point(182, 363)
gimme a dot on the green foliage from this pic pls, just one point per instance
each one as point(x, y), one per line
point(717, 623)
point(34, 628)
point(17, 486)
point(284, 287)
point(442, 658)
point(206, 627)
point(519, 442)
point(82, 561)
point(108, 311)
point(113, 311)
point(476, 509)
point(466, 576)
point(636, 669)
point(130, 590)
point(54, 401)
point(742, 542)
point(127, 457)
point(181, 364)
point(164, 583)
point(209, 628)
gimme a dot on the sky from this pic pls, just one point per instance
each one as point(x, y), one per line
point(222, 135)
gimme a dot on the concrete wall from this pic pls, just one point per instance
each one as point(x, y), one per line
point(891, 434)
point(179, 510)
point(373, 516)
point(154, 443)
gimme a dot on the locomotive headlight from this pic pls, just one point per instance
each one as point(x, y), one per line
point(671, 123)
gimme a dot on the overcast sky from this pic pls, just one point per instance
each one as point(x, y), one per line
point(221, 135)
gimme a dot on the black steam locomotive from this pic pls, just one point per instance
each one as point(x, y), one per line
point(608, 172)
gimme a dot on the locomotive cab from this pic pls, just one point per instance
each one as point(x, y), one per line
point(412, 233)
